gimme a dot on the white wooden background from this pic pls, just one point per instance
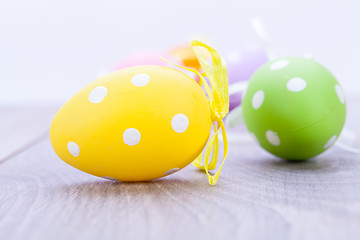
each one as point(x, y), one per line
point(257, 197)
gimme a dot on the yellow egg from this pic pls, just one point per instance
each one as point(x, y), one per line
point(136, 124)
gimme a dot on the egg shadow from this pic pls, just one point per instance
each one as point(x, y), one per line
point(156, 188)
point(318, 164)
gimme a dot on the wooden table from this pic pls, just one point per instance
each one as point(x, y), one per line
point(257, 197)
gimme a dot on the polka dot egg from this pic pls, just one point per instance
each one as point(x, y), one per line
point(135, 124)
point(294, 107)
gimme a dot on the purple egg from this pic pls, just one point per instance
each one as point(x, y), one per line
point(241, 63)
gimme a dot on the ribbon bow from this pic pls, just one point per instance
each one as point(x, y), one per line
point(218, 95)
point(219, 103)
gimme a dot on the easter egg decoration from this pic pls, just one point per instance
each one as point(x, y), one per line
point(143, 122)
point(151, 57)
point(294, 107)
point(242, 62)
point(146, 57)
point(185, 55)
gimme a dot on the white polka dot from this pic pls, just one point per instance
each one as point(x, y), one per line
point(253, 137)
point(279, 64)
point(98, 94)
point(140, 80)
point(340, 93)
point(111, 179)
point(171, 171)
point(131, 136)
point(296, 84)
point(180, 123)
point(330, 142)
point(74, 149)
point(258, 99)
point(273, 138)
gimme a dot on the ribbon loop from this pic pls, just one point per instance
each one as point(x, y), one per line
point(218, 95)
point(217, 76)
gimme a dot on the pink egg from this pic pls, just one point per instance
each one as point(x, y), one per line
point(144, 58)
point(152, 58)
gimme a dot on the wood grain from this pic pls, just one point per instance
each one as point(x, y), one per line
point(257, 197)
point(22, 126)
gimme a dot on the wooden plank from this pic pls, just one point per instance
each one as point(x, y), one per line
point(21, 126)
point(257, 197)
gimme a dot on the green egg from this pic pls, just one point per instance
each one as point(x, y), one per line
point(294, 107)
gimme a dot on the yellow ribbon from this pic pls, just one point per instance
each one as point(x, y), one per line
point(219, 103)
point(218, 96)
